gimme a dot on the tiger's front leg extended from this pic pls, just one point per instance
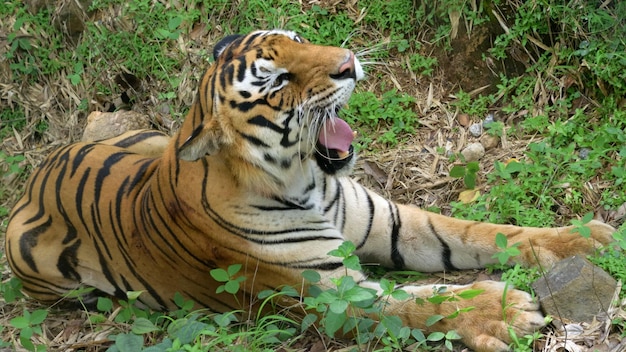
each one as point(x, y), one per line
point(406, 237)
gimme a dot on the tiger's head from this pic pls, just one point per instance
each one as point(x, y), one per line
point(269, 103)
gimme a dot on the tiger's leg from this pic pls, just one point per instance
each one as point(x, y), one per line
point(407, 237)
point(486, 323)
point(483, 321)
point(49, 269)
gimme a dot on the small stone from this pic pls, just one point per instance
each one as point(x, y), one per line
point(463, 119)
point(584, 153)
point(103, 125)
point(476, 129)
point(473, 152)
point(489, 142)
point(575, 290)
point(489, 119)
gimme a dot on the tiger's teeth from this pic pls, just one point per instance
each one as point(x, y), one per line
point(354, 134)
point(342, 154)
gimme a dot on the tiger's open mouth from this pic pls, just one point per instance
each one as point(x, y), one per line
point(334, 151)
point(335, 139)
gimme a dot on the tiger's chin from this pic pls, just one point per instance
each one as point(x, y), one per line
point(335, 162)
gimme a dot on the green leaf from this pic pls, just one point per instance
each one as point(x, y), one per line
point(473, 167)
point(223, 320)
point(26, 342)
point(433, 319)
point(513, 167)
point(38, 316)
point(174, 22)
point(453, 335)
point(453, 314)
point(265, 294)
point(400, 295)
point(143, 326)
point(418, 335)
point(182, 303)
point(436, 336)
point(344, 283)
point(129, 342)
point(467, 294)
point(234, 269)
point(502, 257)
point(387, 286)
point(19, 322)
point(104, 304)
point(308, 321)
point(232, 287)
point(133, 295)
point(501, 240)
point(339, 306)
point(186, 330)
point(97, 318)
point(165, 345)
point(470, 181)
point(220, 275)
point(344, 250)
point(513, 250)
point(438, 299)
point(26, 332)
point(359, 294)
point(290, 291)
point(333, 322)
point(74, 79)
point(457, 171)
point(162, 33)
point(311, 276)
point(78, 68)
point(352, 262)
point(393, 324)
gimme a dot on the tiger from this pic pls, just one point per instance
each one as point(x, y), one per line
point(258, 174)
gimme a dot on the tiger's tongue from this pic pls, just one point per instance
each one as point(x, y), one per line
point(336, 134)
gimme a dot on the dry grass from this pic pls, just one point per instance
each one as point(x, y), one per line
point(414, 171)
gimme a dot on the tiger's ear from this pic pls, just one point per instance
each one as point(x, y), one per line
point(207, 137)
point(224, 43)
point(204, 140)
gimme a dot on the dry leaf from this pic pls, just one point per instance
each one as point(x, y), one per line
point(375, 171)
point(469, 196)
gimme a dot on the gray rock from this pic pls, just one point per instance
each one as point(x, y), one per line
point(476, 129)
point(473, 152)
point(575, 290)
point(489, 119)
point(583, 153)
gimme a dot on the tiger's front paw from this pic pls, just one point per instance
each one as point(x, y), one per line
point(489, 325)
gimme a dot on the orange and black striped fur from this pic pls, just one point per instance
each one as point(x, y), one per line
point(256, 176)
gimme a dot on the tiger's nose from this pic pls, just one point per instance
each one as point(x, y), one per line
point(347, 69)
